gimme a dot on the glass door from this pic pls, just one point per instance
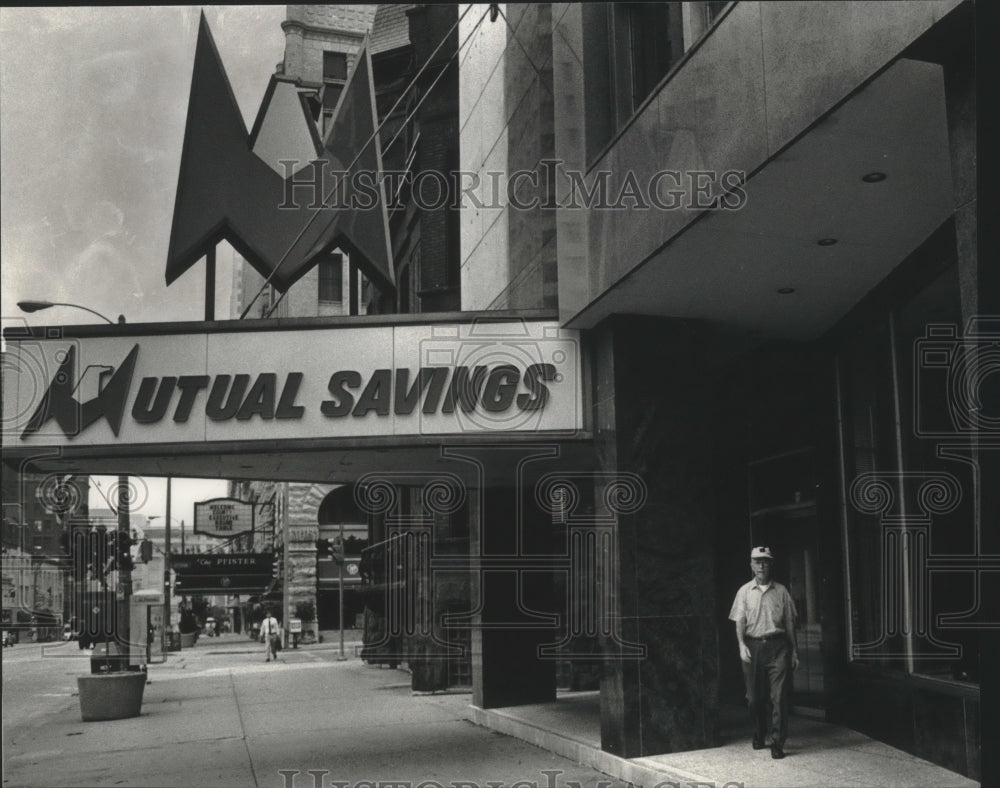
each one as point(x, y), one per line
point(783, 517)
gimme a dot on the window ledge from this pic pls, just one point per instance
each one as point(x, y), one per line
point(943, 685)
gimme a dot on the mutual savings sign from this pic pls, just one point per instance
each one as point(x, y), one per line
point(511, 376)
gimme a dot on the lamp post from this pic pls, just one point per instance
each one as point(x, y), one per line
point(37, 306)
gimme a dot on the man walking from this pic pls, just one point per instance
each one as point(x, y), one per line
point(269, 630)
point(765, 628)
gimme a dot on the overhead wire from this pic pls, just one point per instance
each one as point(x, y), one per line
point(410, 114)
point(362, 149)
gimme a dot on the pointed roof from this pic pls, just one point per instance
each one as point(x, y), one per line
point(391, 28)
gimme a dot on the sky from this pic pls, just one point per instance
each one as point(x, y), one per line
point(152, 496)
point(92, 109)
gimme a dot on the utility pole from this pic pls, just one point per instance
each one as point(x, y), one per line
point(340, 570)
point(166, 577)
point(286, 601)
point(123, 593)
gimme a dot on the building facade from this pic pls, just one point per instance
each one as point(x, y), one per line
point(764, 217)
point(756, 215)
point(39, 514)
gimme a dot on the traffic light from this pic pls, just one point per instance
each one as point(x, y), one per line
point(276, 566)
point(324, 549)
point(80, 552)
point(120, 549)
point(145, 551)
point(337, 550)
point(97, 553)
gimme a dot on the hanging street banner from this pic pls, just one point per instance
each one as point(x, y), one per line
point(223, 517)
point(227, 573)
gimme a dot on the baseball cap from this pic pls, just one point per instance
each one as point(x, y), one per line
point(762, 552)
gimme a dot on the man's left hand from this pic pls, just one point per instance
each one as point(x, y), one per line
point(795, 660)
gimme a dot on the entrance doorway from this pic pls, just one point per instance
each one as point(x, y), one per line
point(783, 517)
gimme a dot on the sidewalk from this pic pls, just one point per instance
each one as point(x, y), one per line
point(233, 720)
point(818, 754)
point(219, 715)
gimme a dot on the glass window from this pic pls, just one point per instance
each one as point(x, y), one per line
point(942, 514)
point(869, 449)
point(911, 522)
point(334, 66)
point(334, 78)
point(656, 42)
point(331, 278)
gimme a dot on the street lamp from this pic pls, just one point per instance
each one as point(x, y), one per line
point(37, 306)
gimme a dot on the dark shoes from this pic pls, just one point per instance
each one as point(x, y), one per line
point(777, 752)
point(758, 744)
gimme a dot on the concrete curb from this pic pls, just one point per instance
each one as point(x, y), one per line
point(640, 772)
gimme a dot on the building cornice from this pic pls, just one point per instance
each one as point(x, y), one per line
point(294, 25)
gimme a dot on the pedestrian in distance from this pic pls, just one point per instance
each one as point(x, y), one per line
point(270, 631)
point(764, 613)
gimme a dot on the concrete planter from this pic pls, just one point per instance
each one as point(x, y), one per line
point(111, 696)
point(188, 639)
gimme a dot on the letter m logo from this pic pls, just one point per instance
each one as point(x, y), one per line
point(73, 417)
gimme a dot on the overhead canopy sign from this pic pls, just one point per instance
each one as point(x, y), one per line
point(139, 385)
point(225, 572)
point(223, 517)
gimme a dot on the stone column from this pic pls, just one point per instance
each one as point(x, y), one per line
point(300, 543)
point(294, 63)
point(653, 419)
point(513, 594)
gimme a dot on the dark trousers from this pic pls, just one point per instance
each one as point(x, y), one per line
point(768, 681)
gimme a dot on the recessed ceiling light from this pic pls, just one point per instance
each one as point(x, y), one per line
point(786, 290)
point(873, 177)
point(827, 241)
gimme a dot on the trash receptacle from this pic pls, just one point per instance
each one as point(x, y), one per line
point(108, 658)
point(174, 643)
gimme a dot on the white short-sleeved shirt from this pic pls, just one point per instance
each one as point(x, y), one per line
point(768, 611)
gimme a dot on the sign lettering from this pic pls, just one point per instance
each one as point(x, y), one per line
point(223, 517)
point(365, 381)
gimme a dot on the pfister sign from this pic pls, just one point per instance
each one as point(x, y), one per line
point(223, 517)
point(482, 377)
point(223, 573)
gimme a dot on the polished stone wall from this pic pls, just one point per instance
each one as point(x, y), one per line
point(759, 79)
point(654, 420)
